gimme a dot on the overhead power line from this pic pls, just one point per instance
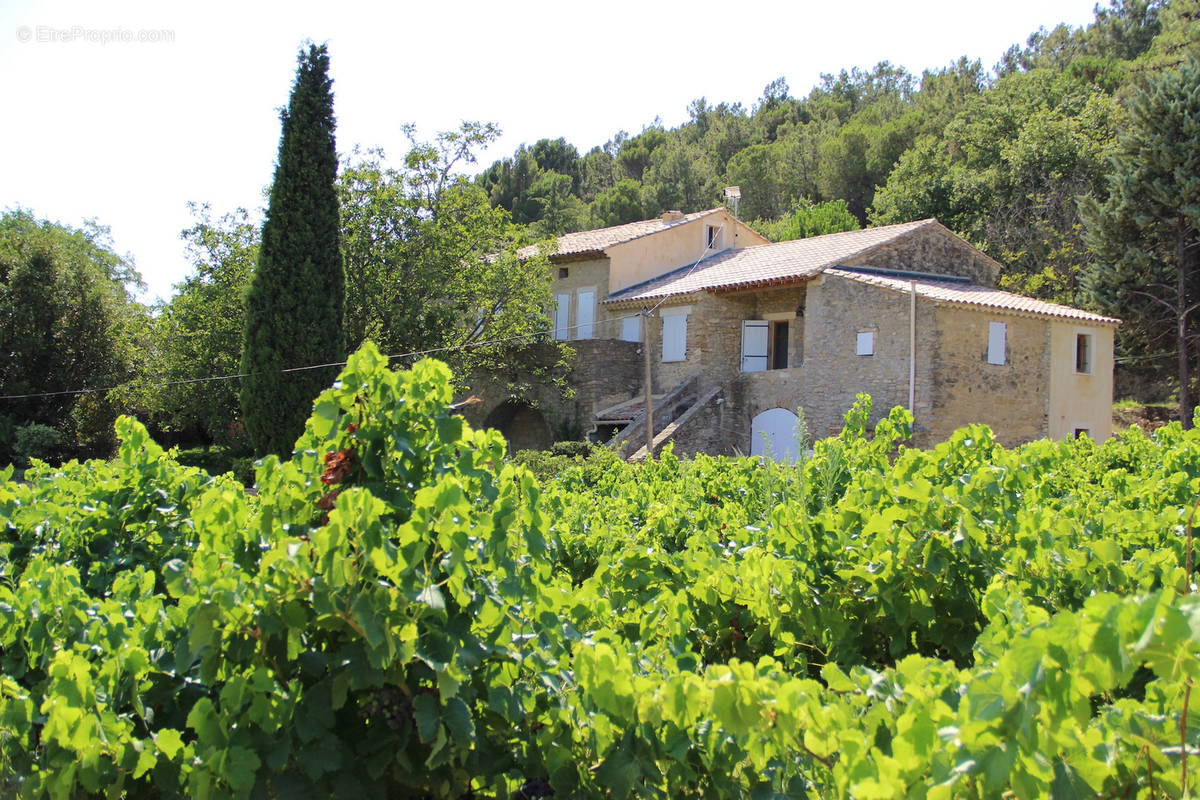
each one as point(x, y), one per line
point(306, 367)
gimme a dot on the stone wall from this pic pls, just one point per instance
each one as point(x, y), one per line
point(603, 372)
point(832, 372)
point(712, 427)
point(932, 249)
point(1012, 398)
point(714, 334)
point(824, 373)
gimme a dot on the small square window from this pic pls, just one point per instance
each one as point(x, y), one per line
point(562, 272)
point(1082, 432)
point(1083, 353)
point(866, 343)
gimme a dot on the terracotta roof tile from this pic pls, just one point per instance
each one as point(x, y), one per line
point(969, 294)
point(595, 241)
point(767, 264)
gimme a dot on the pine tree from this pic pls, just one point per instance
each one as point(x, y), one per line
point(295, 305)
point(1146, 235)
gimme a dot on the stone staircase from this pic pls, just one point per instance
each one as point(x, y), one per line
point(667, 408)
point(692, 416)
point(673, 411)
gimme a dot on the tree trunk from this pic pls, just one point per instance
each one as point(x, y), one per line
point(1186, 406)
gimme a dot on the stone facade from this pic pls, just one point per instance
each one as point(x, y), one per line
point(935, 250)
point(953, 382)
point(603, 372)
point(824, 373)
point(936, 348)
point(1011, 397)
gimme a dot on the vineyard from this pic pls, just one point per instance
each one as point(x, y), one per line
point(400, 612)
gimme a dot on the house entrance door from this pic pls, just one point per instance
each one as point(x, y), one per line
point(773, 435)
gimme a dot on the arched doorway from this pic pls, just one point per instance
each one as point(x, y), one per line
point(522, 425)
point(773, 435)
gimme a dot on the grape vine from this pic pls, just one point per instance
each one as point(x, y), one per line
point(400, 612)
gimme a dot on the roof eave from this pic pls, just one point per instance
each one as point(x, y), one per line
point(637, 302)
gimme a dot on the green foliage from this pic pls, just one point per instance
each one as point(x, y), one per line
point(217, 460)
point(35, 441)
point(1006, 173)
point(198, 333)
point(430, 264)
point(810, 219)
point(618, 204)
point(547, 465)
point(398, 612)
point(1146, 234)
point(67, 321)
point(354, 629)
point(295, 305)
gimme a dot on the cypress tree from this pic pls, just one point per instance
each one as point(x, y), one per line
point(295, 304)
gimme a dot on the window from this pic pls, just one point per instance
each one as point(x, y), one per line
point(562, 313)
point(585, 314)
point(997, 339)
point(756, 340)
point(1082, 432)
point(779, 344)
point(712, 237)
point(866, 343)
point(562, 272)
point(631, 329)
point(674, 335)
point(1083, 353)
point(765, 344)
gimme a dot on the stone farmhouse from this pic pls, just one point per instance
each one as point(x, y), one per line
point(742, 332)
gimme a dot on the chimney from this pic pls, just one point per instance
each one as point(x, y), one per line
point(672, 216)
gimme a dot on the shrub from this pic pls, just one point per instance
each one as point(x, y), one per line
point(36, 441)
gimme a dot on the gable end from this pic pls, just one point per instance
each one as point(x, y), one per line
point(932, 248)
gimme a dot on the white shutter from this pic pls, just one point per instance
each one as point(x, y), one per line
point(866, 343)
point(561, 316)
point(674, 343)
point(631, 329)
point(755, 333)
point(997, 334)
point(585, 314)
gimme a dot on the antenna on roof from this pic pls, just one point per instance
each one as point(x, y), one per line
point(732, 195)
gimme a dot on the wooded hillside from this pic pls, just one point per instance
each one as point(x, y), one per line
point(1001, 156)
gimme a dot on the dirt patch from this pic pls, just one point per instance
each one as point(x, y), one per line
point(1148, 418)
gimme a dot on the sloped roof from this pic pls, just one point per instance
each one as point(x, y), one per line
point(768, 264)
point(969, 294)
point(595, 241)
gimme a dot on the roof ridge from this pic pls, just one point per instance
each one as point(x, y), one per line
point(767, 264)
point(687, 216)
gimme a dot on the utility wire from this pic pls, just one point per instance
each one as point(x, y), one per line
point(240, 375)
point(687, 274)
point(448, 349)
point(1126, 359)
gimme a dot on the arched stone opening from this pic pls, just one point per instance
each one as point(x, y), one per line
point(522, 425)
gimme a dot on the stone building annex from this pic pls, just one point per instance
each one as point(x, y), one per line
point(743, 332)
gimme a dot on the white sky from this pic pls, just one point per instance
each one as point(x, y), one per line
point(127, 132)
